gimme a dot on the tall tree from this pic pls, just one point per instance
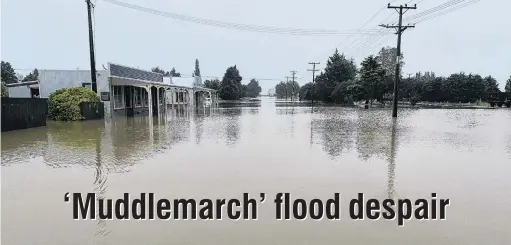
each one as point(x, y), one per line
point(244, 91)
point(32, 76)
point(387, 58)
point(490, 86)
point(197, 69)
point(508, 85)
point(8, 74)
point(293, 88)
point(338, 69)
point(372, 78)
point(253, 89)
point(230, 87)
point(307, 91)
point(212, 84)
point(281, 90)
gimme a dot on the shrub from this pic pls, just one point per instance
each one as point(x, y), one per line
point(64, 104)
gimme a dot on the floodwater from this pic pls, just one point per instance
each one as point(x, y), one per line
point(463, 155)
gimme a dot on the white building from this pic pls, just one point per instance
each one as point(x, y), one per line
point(124, 90)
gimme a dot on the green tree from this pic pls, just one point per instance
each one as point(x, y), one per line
point(307, 91)
point(161, 71)
point(281, 90)
point(338, 69)
point(244, 91)
point(230, 87)
point(173, 73)
point(253, 89)
point(5, 91)
point(32, 76)
point(212, 84)
point(292, 89)
point(387, 58)
point(197, 69)
point(372, 78)
point(491, 85)
point(8, 74)
point(508, 85)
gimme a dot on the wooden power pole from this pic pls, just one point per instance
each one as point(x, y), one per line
point(91, 48)
point(293, 73)
point(399, 30)
point(314, 70)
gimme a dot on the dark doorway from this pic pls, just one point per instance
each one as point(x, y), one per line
point(128, 100)
point(154, 96)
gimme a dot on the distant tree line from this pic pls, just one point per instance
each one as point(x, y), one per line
point(343, 82)
point(230, 88)
point(171, 73)
point(287, 90)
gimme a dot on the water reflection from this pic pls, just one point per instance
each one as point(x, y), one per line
point(349, 150)
point(232, 125)
point(392, 161)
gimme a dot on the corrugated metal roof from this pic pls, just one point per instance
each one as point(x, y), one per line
point(128, 72)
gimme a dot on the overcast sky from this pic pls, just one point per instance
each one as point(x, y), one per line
point(53, 34)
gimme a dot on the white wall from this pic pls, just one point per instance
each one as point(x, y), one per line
point(51, 80)
point(19, 92)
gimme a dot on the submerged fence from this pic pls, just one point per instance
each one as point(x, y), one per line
point(22, 113)
point(92, 110)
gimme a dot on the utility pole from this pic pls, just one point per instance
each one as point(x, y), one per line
point(287, 81)
point(91, 48)
point(313, 76)
point(399, 30)
point(293, 73)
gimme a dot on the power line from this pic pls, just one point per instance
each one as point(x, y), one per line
point(434, 9)
point(370, 40)
point(448, 11)
point(238, 26)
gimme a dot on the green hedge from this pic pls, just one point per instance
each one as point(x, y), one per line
point(64, 104)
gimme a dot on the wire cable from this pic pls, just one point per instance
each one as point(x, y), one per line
point(237, 26)
point(447, 11)
point(434, 9)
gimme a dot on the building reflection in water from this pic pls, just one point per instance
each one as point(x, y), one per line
point(231, 123)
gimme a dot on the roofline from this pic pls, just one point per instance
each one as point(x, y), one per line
point(147, 82)
point(68, 70)
point(111, 63)
point(10, 85)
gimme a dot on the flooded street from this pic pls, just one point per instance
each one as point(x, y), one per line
point(463, 155)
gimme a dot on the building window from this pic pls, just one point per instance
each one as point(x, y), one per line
point(118, 97)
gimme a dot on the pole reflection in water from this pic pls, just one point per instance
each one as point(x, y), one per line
point(100, 185)
point(392, 163)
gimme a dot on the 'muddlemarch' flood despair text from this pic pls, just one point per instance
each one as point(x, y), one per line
point(147, 207)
